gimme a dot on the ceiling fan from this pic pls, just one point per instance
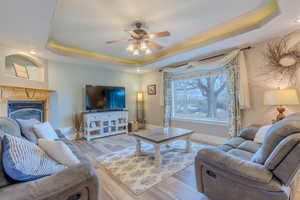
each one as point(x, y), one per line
point(141, 40)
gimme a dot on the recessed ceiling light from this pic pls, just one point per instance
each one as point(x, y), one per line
point(33, 52)
point(138, 69)
point(298, 20)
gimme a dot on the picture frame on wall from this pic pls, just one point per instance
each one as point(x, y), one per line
point(151, 89)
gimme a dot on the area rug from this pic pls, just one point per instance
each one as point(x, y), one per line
point(139, 173)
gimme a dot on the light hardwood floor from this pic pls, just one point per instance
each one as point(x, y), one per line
point(180, 186)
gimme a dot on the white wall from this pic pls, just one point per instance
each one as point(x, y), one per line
point(69, 80)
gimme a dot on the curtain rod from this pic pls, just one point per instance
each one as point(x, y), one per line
point(203, 59)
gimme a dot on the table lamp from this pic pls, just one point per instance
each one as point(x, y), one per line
point(280, 98)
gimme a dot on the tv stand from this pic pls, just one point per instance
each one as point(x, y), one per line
point(105, 123)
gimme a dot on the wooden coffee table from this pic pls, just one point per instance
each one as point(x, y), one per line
point(161, 136)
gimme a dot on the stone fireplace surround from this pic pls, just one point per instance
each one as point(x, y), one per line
point(13, 93)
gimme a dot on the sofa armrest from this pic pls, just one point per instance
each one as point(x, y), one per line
point(59, 186)
point(233, 165)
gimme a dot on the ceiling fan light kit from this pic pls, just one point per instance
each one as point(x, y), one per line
point(141, 42)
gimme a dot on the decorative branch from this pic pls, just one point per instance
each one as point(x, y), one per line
point(282, 61)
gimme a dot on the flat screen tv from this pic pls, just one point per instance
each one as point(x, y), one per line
point(98, 98)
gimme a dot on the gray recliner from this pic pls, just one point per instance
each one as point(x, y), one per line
point(243, 169)
point(78, 182)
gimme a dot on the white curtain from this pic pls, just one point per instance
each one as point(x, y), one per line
point(244, 96)
point(193, 68)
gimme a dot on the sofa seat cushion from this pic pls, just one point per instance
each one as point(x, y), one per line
point(225, 147)
point(243, 155)
point(25, 161)
point(249, 146)
point(235, 142)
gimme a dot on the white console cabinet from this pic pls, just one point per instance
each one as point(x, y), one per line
point(101, 124)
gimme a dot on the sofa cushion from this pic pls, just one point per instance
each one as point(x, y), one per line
point(274, 135)
point(235, 142)
point(260, 134)
point(10, 127)
point(243, 155)
point(225, 147)
point(25, 161)
point(249, 146)
point(282, 150)
point(248, 133)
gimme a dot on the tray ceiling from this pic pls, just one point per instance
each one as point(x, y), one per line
point(83, 28)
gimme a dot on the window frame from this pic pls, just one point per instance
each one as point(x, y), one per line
point(192, 119)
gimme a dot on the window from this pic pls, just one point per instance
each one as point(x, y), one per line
point(204, 98)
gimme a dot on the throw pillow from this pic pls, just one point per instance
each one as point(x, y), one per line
point(27, 129)
point(59, 151)
point(25, 161)
point(260, 134)
point(45, 131)
point(27, 122)
point(29, 134)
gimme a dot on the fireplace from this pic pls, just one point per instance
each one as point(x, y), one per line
point(29, 109)
point(20, 102)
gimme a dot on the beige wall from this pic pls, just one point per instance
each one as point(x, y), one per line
point(154, 110)
point(258, 113)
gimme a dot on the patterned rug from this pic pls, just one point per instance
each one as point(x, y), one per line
point(139, 173)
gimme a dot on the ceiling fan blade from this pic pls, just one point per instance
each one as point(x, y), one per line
point(158, 35)
point(133, 34)
point(115, 41)
point(154, 44)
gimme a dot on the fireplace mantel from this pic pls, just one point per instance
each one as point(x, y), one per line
point(10, 93)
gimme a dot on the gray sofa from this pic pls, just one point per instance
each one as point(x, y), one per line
point(243, 169)
point(73, 183)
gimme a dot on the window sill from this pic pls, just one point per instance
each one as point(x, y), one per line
point(200, 121)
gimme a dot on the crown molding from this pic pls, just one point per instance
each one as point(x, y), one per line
point(249, 21)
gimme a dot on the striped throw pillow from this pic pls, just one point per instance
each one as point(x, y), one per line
point(25, 161)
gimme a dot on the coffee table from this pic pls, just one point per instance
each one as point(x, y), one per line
point(162, 136)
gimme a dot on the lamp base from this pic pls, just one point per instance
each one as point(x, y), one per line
point(281, 114)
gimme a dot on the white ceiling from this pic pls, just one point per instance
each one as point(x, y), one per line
point(27, 25)
point(90, 25)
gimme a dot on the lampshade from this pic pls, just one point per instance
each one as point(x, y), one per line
point(140, 96)
point(281, 97)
